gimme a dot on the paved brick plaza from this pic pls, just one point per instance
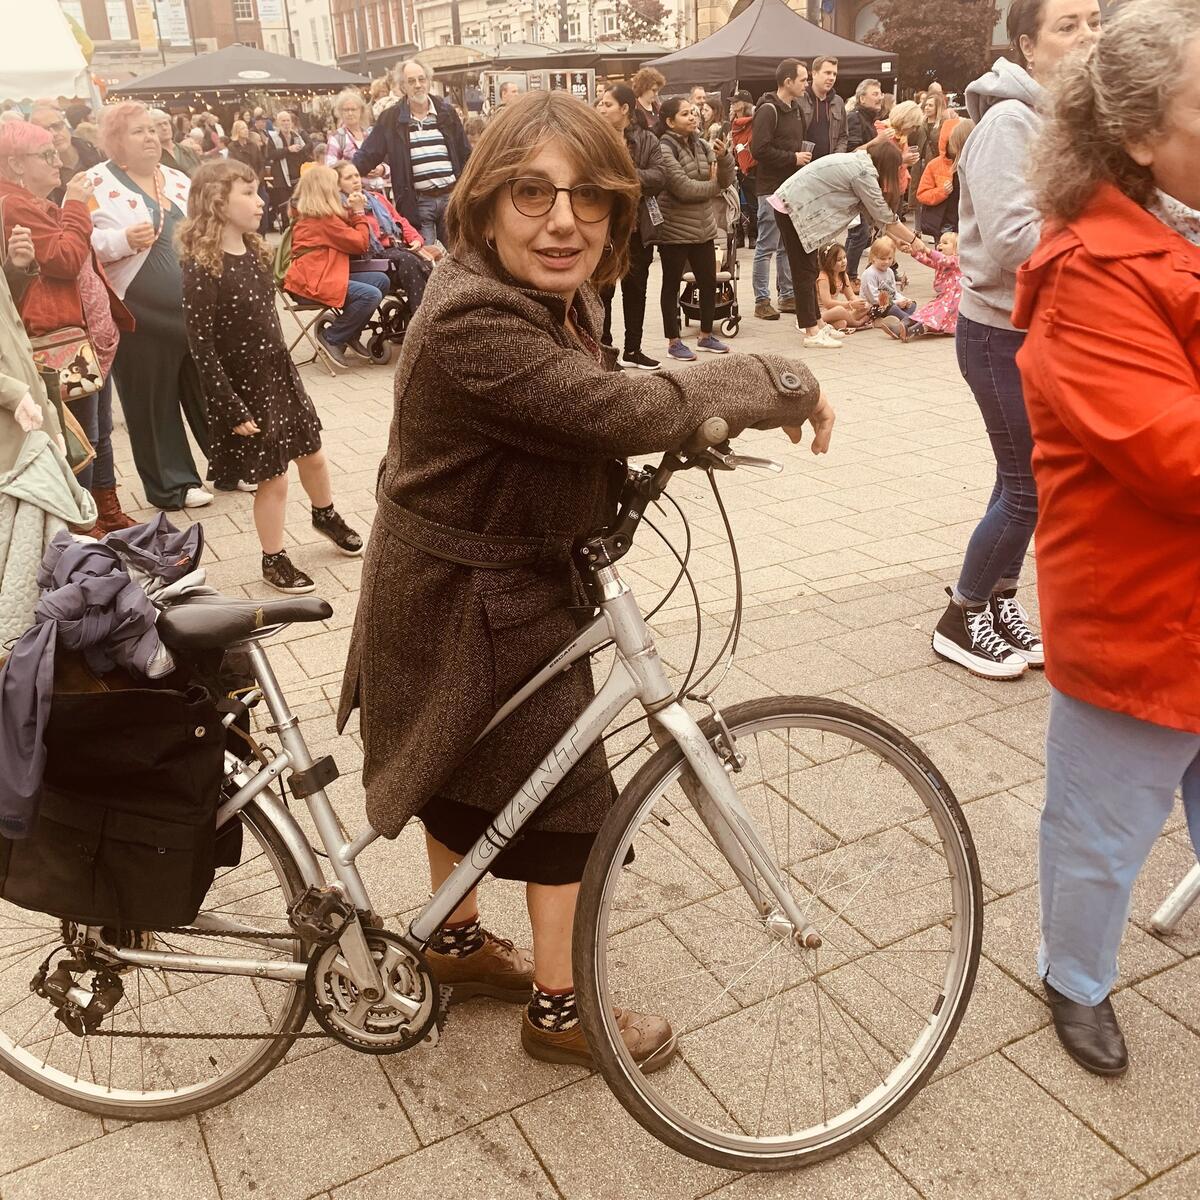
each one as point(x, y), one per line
point(845, 559)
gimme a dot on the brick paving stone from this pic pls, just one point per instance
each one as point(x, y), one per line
point(976, 764)
point(990, 1133)
point(137, 1161)
point(1150, 1114)
point(1176, 991)
point(310, 1124)
point(1180, 1183)
point(1006, 839)
point(491, 1160)
point(860, 1174)
point(33, 1128)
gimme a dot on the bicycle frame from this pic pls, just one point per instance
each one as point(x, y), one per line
point(637, 673)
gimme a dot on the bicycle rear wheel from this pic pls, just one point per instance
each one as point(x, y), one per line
point(169, 1058)
point(787, 1053)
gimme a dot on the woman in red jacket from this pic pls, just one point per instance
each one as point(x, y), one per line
point(70, 288)
point(325, 237)
point(1111, 372)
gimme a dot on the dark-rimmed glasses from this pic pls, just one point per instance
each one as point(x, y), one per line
point(49, 156)
point(533, 197)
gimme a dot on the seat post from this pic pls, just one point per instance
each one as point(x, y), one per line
point(286, 723)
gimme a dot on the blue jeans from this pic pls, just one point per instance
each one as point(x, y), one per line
point(94, 413)
point(857, 240)
point(1110, 787)
point(987, 358)
point(363, 295)
point(769, 244)
point(431, 217)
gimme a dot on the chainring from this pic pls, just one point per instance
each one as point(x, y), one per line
point(382, 1027)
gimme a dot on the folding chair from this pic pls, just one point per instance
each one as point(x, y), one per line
point(307, 315)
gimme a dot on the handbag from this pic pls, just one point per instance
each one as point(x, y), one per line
point(80, 452)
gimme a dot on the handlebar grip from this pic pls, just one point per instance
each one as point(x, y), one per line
point(711, 433)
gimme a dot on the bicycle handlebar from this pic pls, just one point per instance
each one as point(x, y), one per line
point(709, 433)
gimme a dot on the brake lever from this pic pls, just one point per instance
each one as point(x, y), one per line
point(729, 460)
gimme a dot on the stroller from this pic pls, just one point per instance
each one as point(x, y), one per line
point(728, 206)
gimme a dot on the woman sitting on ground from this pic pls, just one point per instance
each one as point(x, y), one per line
point(1110, 367)
point(326, 235)
point(392, 238)
point(511, 425)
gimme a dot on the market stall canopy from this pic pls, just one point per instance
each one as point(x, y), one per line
point(535, 56)
point(39, 54)
point(754, 43)
point(236, 70)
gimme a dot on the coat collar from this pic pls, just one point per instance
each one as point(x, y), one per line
point(1113, 226)
point(486, 266)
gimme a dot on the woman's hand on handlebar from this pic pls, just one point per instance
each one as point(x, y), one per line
point(821, 419)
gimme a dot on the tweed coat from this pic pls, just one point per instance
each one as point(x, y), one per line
point(507, 443)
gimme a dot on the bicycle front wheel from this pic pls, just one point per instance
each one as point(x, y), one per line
point(787, 1053)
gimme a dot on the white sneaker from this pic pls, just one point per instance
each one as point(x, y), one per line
point(197, 497)
point(243, 486)
point(840, 334)
point(823, 339)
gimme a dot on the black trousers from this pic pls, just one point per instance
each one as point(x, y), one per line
point(633, 295)
point(805, 269)
point(702, 258)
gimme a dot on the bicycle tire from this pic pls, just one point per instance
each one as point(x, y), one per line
point(635, 1091)
point(224, 1088)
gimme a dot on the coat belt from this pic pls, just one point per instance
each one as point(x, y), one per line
point(470, 549)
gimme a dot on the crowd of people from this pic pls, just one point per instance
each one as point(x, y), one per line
point(1050, 215)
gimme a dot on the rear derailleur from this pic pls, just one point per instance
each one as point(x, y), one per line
point(80, 1010)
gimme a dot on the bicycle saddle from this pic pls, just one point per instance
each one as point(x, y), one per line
point(213, 622)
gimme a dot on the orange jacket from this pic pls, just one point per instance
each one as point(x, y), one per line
point(321, 251)
point(1111, 371)
point(938, 171)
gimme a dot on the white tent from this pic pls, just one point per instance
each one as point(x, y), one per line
point(39, 55)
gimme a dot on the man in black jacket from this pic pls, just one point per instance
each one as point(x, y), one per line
point(776, 141)
point(426, 147)
point(824, 110)
point(861, 130)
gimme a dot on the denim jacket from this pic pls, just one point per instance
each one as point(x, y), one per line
point(825, 196)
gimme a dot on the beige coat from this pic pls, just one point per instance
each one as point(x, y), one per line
point(18, 376)
point(507, 444)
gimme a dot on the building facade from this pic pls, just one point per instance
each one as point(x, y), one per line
point(303, 29)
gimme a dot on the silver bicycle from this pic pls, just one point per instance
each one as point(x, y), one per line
point(790, 882)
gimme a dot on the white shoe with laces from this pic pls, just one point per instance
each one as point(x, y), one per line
point(196, 497)
point(823, 339)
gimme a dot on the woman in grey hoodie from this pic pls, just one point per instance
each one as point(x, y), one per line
point(984, 627)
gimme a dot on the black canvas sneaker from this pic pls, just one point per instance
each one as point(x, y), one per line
point(284, 576)
point(967, 636)
point(635, 358)
point(1012, 624)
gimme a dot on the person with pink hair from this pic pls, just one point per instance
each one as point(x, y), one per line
point(137, 205)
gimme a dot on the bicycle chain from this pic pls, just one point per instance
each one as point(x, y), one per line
point(247, 935)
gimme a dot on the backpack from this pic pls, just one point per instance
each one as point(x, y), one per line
point(283, 257)
point(740, 131)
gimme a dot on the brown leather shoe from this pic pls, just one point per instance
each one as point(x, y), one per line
point(650, 1040)
point(787, 304)
point(764, 310)
point(497, 969)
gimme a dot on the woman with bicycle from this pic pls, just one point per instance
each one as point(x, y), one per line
point(510, 431)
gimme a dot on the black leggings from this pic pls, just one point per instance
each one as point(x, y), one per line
point(805, 268)
point(702, 258)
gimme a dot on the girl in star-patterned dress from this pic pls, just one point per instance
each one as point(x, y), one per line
point(260, 418)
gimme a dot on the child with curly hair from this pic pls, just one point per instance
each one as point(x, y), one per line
point(839, 306)
point(260, 418)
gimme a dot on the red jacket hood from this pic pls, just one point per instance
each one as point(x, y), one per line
point(1111, 227)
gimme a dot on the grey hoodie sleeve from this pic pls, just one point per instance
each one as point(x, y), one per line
point(1009, 223)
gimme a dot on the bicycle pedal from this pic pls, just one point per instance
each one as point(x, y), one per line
point(320, 914)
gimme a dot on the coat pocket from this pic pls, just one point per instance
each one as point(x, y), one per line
point(526, 625)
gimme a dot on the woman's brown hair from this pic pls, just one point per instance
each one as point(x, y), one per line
point(517, 134)
point(208, 199)
point(1117, 97)
point(647, 79)
point(886, 156)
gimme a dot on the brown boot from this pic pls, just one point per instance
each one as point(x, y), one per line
point(111, 517)
point(497, 969)
point(649, 1039)
point(787, 304)
point(764, 310)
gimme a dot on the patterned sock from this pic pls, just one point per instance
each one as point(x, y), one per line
point(459, 939)
point(322, 514)
point(553, 1011)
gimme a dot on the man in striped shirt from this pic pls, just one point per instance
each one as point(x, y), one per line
point(426, 147)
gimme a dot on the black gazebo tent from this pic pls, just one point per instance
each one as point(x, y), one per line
point(225, 75)
point(754, 43)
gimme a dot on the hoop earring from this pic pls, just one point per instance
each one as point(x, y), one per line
point(490, 244)
point(608, 247)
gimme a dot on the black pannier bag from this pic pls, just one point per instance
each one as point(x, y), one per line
point(126, 829)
